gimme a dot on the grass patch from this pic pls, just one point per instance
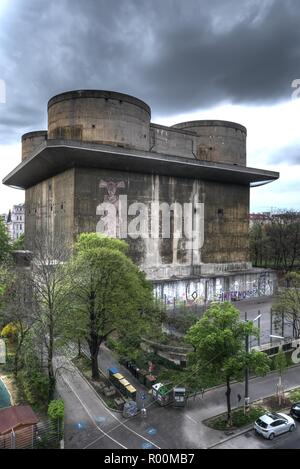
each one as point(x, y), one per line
point(238, 419)
point(294, 396)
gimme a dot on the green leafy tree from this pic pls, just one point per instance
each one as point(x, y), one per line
point(5, 245)
point(108, 292)
point(32, 379)
point(19, 244)
point(219, 348)
point(17, 309)
point(4, 281)
point(56, 412)
point(49, 285)
point(287, 305)
point(275, 240)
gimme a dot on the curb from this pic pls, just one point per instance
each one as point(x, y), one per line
point(245, 429)
point(92, 387)
point(231, 437)
point(251, 378)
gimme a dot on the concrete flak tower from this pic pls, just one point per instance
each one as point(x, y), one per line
point(101, 145)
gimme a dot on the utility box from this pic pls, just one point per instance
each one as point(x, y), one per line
point(112, 371)
point(179, 397)
point(161, 394)
point(131, 392)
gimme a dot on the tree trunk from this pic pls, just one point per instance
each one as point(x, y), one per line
point(228, 399)
point(16, 364)
point(94, 346)
point(94, 358)
point(52, 380)
point(94, 340)
point(17, 356)
point(51, 374)
point(79, 348)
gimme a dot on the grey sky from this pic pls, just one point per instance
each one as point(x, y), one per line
point(179, 56)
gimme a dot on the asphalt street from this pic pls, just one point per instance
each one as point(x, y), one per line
point(251, 441)
point(89, 424)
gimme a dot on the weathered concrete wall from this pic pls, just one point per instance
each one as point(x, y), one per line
point(219, 141)
point(31, 141)
point(50, 209)
point(237, 286)
point(100, 116)
point(225, 234)
point(91, 191)
point(172, 141)
point(122, 120)
point(226, 223)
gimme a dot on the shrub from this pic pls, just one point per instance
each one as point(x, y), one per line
point(239, 419)
point(35, 386)
point(56, 410)
point(10, 331)
point(295, 395)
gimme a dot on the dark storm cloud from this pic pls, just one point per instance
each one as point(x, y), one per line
point(176, 55)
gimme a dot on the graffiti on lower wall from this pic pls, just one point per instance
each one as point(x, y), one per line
point(227, 288)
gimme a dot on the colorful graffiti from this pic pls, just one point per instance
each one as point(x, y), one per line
point(228, 288)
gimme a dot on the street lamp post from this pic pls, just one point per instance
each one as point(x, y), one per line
point(280, 389)
point(247, 349)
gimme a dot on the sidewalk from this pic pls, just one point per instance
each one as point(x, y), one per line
point(106, 360)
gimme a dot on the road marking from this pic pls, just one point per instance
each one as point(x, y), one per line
point(89, 414)
point(190, 418)
point(151, 431)
point(111, 413)
point(107, 410)
point(146, 446)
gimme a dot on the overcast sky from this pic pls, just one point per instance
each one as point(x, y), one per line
point(188, 59)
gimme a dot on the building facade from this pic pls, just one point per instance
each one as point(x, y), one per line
point(15, 221)
point(178, 195)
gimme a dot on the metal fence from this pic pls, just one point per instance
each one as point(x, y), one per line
point(46, 434)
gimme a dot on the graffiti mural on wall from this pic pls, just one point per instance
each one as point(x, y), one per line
point(202, 291)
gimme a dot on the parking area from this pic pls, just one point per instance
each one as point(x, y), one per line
point(250, 440)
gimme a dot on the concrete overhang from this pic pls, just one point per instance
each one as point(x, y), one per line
point(56, 156)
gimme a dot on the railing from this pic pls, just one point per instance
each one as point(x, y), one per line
point(45, 434)
point(286, 345)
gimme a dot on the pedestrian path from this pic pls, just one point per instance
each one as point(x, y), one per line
point(107, 360)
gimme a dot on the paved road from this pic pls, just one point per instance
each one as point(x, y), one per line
point(89, 424)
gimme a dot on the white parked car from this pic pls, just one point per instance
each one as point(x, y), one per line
point(273, 424)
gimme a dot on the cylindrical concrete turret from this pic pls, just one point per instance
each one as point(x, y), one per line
point(31, 141)
point(100, 116)
point(219, 141)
